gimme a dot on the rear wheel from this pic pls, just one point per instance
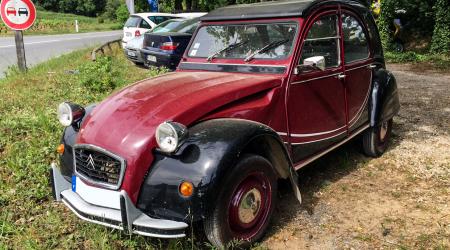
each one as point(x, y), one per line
point(376, 139)
point(244, 205)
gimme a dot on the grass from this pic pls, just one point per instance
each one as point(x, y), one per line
point(29, 133)
point(437, 61)
point(48, 22)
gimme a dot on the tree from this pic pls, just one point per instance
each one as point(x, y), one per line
point(441, 35)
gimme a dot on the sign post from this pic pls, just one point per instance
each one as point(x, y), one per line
point(18, 15)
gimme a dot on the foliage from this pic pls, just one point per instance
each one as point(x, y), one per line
point(416, 21)
point(48, 22)
point(437, 61)
point(441, 35)
point(100, 75)
point(122, 13)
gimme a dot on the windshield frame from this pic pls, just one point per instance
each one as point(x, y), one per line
point(240, 60)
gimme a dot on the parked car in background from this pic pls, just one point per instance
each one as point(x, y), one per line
point(263, 90)
point(165, 44)
point(138, 24)
point(133, 48)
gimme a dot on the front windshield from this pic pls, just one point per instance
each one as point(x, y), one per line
point(244, 41)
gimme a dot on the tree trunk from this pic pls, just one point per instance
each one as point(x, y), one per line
point(188, 5)
point(178, 5)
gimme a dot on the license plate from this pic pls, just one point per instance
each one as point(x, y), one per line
point(131, 53)
point(74, 183)
point(151, 58)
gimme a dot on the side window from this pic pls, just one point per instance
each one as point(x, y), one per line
point(323, 40)
point(144, 25)
point(355, 40)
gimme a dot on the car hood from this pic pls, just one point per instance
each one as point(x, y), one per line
point(125, 123)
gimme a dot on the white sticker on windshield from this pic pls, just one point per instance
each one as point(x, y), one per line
point(193, 52)
point(196, 45)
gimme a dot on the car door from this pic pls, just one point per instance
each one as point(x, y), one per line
point(316, 98)
point(358, 61)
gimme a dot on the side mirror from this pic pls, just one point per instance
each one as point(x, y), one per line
point(315, 62)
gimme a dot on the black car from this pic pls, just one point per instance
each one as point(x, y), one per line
point(165, 44)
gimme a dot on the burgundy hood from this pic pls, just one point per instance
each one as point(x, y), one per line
point(125, 122)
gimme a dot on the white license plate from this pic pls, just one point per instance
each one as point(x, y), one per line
point(131, 53)
point(151, 58)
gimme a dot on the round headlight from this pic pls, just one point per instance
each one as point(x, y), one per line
point(68, 113)
point(170, 135)
point(65, 114)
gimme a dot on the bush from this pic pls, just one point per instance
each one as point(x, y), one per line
point(100, 75)
point(122, 13)
point(441, 34)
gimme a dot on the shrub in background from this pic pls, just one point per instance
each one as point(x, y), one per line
point(441, 35)
point(100, 75)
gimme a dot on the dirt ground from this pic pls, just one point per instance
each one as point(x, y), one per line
point(398, 201)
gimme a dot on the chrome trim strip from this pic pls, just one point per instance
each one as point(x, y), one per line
point(359, 67)
point(323, 139)
point(282, 133)
point(297, 167)
point(316, 134)
point(123, 166)
point(237, 64)
point(317, 78)
point(322, 38)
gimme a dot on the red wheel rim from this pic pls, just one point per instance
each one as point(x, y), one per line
point(249, 206)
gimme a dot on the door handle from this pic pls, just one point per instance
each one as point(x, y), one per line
point(372, 66)
point(341, 76)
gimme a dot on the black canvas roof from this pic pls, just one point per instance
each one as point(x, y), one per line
point(283, 8)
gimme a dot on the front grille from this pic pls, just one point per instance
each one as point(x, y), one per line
point(98, 166)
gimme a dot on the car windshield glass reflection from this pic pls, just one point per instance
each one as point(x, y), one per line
point(251, 37)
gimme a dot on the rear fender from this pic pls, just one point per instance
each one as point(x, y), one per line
point(384, 101)
point(212, 149)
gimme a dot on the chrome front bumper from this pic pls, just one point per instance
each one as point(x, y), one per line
point(127, 217)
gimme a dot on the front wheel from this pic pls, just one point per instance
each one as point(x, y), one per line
point(244, 205)
point(375, 140)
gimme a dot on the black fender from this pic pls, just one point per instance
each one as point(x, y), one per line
point(211, 150)
point(384, 100)
point(68, 139)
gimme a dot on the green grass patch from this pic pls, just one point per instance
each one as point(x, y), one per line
point(29, 133)
point(439, 61)
point(48, 22)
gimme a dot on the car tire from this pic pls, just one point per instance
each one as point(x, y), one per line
point(376, 139)
point(245, 204)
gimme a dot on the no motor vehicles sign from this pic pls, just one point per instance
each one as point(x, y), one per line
point(18, 14)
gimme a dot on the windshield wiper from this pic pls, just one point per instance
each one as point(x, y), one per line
point(266, 48)
point(226, 49)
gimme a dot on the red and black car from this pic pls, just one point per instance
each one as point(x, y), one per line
point(261, 91)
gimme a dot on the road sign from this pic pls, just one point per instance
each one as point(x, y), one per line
point(18, 14)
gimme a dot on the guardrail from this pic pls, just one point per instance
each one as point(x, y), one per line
point(102, 48)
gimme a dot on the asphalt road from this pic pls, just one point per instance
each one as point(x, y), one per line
point(42, 48)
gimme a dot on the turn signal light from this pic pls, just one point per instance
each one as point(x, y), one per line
point(169, 46)
point(60, 149)
point(186, 189)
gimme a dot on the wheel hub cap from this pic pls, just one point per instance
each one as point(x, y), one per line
point(249, 206)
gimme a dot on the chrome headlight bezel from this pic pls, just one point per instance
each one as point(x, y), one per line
point(69, 113)
point(170, 136)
